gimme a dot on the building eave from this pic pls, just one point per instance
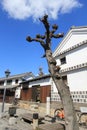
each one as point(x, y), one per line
point(9, 86)
point(37, 78)
point(83, 65)
point(72, 48)
point(17, 76)
point(72, 30)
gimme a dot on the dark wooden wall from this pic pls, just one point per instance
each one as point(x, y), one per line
point(27, 93)
point(45, 92)
point(9, 96)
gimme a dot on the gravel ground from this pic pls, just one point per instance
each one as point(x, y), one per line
point(19, 123)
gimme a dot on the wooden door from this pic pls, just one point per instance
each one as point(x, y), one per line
point(36, 93)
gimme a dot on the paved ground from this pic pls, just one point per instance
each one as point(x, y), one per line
point(19, 123)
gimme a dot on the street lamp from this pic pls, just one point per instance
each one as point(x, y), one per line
point(7, 73)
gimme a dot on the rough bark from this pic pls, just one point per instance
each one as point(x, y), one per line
point(63, 89)
point(64, 92)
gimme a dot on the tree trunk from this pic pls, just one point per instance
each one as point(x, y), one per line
point(64, 92)
point(63, 89)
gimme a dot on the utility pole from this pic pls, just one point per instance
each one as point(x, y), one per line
point(7, 73)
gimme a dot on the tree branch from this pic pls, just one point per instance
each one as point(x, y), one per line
point(53, 31)
point(59, 35)
point(45, 22)
point(47, 26)
point(29, 39)
point(55, 26)
point(40, 36)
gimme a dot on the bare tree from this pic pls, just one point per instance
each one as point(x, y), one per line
point(63, 89)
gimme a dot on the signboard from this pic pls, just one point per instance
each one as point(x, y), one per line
point(17, 93)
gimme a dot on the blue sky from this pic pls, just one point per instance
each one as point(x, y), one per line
point(19, 18)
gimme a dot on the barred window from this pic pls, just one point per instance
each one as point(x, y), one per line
point(63, 60)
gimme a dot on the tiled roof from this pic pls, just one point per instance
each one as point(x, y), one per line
point(77, 27)
point(19, 76)
point(38, 78)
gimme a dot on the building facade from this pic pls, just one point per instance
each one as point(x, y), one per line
point(36, 89)
point(26, 87)
point(71, 56)
point(12, 85)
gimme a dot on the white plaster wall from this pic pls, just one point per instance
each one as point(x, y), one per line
point(74, 39)
point(58, 61)
point(5, 82)
point(41, 82)
point(77, 57)
point(19, 81)
point(13, 82)
point(17, 92)
point(77, 81)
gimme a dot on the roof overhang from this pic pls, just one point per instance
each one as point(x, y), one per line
point(37, 78)
point(9, 86)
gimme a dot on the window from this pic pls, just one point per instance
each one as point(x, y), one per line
point(9, 82)
point(63, 60)
point(16, 81)
point(1, 83)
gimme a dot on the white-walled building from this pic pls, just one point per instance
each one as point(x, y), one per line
point(71, 56)
point(12, 85)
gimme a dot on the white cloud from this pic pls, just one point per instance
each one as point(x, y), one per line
point(22, 9)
